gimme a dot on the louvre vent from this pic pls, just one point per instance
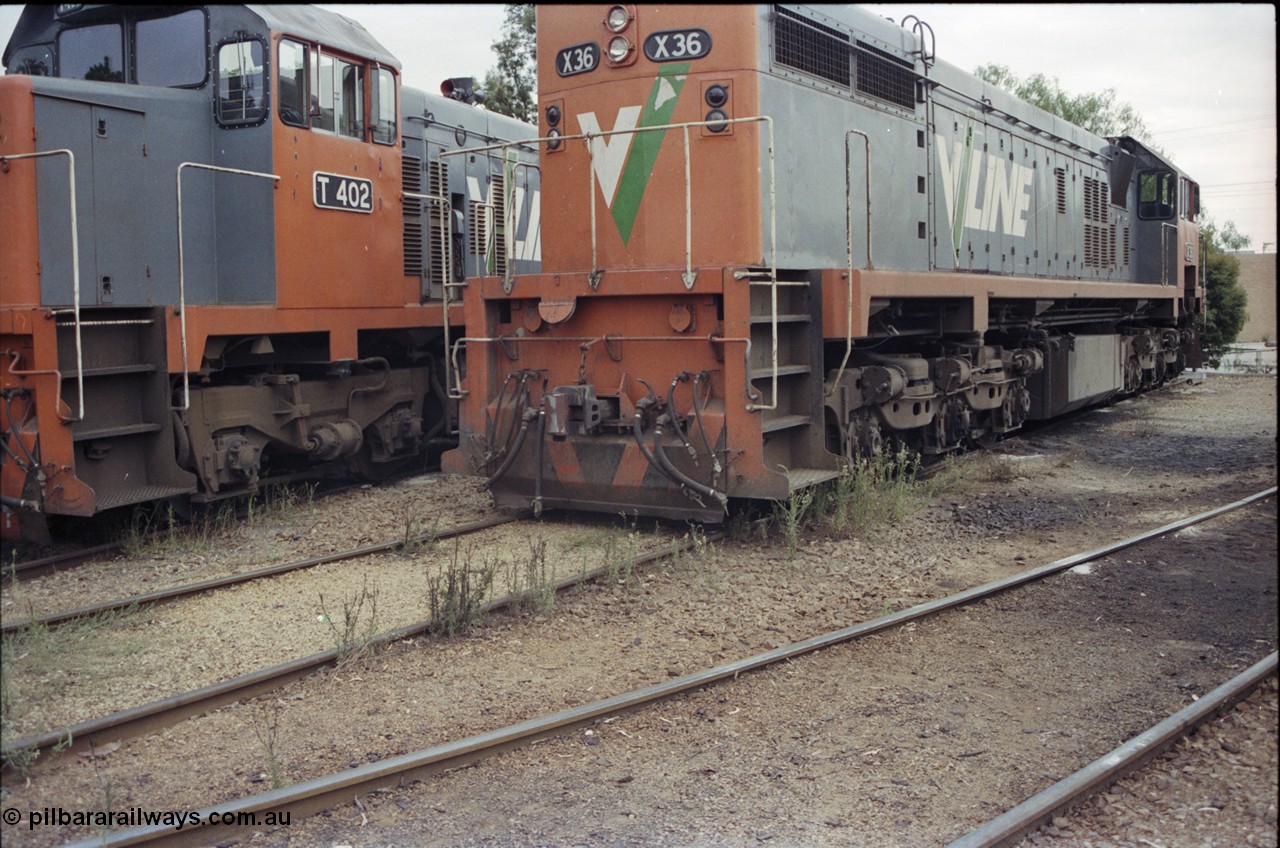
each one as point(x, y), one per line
point(437, 186)
point(1099, 232)
point(486, 239)
point(885, 76)
point(411, 182)
point(1060, 177)
point(810, 47)
point(498, 192)
point(1124, 259)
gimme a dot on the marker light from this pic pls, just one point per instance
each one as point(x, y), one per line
point(619, 47)
point(617, 19)
point(554, 139)
point(717, 96)
point(715, 115)
point(553, 116)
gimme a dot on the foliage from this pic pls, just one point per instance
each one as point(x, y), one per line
point(511, 88)
point(1097, 112)
point(1225, 300)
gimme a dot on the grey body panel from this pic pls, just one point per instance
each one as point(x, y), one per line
point(128, 142)
point(979, 154)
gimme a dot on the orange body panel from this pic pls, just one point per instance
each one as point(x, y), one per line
point(329, 257)
point(19, 229)
point(640, 214)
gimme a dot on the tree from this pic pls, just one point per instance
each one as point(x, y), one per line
point(1225, 302)
point(1098, 113)
point(511, 88)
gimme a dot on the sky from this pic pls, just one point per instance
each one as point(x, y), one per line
point(1202, 76)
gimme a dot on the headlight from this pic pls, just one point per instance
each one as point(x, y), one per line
point(617, 19)
point(554, 136)
point(553, 116)
point(717, 96)
point(716, 121)
point(619, 47)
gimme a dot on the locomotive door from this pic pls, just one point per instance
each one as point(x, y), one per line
point(121, 225)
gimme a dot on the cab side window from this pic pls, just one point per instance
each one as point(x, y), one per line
point(1156, 195)
point(294, 95)
point(242, 93)
point(383, 108)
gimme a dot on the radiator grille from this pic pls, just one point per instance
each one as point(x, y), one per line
point(810, 47)
point(885, 76)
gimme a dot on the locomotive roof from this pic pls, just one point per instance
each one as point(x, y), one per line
point(328, 28)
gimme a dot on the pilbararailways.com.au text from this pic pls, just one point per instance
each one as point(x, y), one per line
point(138, 817)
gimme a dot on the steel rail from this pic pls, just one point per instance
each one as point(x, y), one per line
point(157, 715)
point(326, 792)
point(171, 593)
point(37, 567)
point(1009, 828)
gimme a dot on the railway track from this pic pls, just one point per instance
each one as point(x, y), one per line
point(19, 571)
point(321, 793)
point(80, 738)
point(172, 593)
point(30, 569)
point(1007, 829)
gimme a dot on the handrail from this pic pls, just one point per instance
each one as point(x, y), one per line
point(588, 136)
point(75, 266)
point(447, 216)
point(848, 215)
point(182, 279)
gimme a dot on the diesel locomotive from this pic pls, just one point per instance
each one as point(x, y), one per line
point(231, 246)
point(780, 237)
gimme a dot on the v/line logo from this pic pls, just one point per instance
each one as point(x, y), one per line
point(982, 191)
point(622, 163)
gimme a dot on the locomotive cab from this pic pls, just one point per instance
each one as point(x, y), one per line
point(249, 230)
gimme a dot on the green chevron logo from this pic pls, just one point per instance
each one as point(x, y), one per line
point(623, 163)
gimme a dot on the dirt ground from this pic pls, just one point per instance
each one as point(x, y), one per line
point(909, 738)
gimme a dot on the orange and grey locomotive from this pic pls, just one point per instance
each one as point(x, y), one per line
point(230, 242)
point(782, 236)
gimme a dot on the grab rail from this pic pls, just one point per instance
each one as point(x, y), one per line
point(182, 280)
point(75, 265)
point(848, 202)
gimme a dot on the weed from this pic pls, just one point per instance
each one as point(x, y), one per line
point(415, 541)
point(619, 553)
point(533, 585)
point(356, 635)
point(266, 726)
point(791, 517)
point(108, 793)
point(456, 597)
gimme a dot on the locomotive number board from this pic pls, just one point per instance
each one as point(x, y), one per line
point(577, 59)
point(677, 44)
point(335, 191)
